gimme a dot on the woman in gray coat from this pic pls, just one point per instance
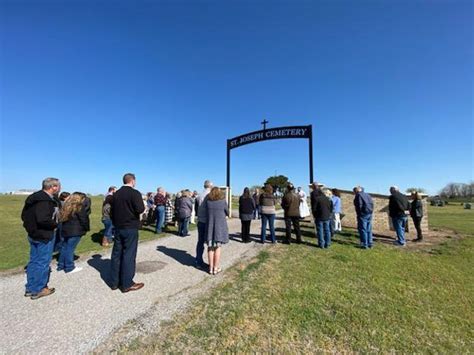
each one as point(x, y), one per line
point(216, 228)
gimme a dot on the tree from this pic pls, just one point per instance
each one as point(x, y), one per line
point(278, 182)
point(415, 189)
point(454, 189)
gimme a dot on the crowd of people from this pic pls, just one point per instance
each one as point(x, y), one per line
point(56, 221)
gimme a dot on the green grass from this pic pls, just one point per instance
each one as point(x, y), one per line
point(452, 216)
point(301, 299)
point(14, 246)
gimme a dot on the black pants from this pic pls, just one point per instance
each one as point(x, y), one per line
point(417, 223)
point(123, 260)
point(245, 231)
point(296, 227)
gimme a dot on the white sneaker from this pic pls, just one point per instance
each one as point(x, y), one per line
point(76, 269)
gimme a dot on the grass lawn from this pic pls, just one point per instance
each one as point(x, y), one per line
point(452, 216)
point(14, 246)
point(302, 299)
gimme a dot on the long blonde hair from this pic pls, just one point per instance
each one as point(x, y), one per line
point(72, 205)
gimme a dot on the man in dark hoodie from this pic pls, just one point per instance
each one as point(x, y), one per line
point(398, 206)
point(364, 207)
point(40, 219)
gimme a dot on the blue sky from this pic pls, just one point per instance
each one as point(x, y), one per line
point(93, 89)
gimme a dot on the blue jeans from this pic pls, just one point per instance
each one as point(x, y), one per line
point(183, 224)
point(37, 271)
point(200, 243)
point(123, 259)
point(108, 229)
point(160, 218)
point(256, 213)
point(271, 221)
point(66, 255)
point(364, 225)
point(324, 233)
point(399, 223)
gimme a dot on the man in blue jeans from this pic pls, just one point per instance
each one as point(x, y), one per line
point(364, 207)
point(398, 207)
point(321, 206)
point(40, 219)
point(200, 207)
point(127, 205)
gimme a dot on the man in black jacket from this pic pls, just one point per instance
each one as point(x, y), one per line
point(321, 207)
point(127, 205)
point(398, 205)
point(40, 219)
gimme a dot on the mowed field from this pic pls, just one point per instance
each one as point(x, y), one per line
point(14, 246)
point(301, 299)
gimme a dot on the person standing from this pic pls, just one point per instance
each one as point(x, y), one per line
point(107, 219)
point(160, 204)
point(216, 229)
point(291, 205)
point(268, 211)
point(150, 209)
point(416, 213)
point(201, 209)
point(185, 206)
point(169, 210)
point(194, 211)
point(74, 217)
point(398, 206)
point(246, 213)
point(127, 205)
point(337, 209)
point(304, 208)
point(40, 218)
point(58, 239)
point(364, 207)
point(256, 199)
point(322, 210)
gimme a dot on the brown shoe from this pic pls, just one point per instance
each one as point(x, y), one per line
point(135, 287)
point(43, 293)
point(105, 242)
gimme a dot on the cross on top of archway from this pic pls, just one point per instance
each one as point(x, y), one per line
point(264, 123)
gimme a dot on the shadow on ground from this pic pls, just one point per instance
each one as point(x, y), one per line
point(102, 266)
point(181, 256)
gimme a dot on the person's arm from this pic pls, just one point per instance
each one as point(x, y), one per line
point(226, 209)
point(137, 202)
point(357, 204)
point(44, 215)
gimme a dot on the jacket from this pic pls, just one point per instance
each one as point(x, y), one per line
point(78, 224)
point(39, 216)
point(398, 204)
point(216, 227)
point(363, 203)
point(291, 204)
point(106, 208)
point(322, 208)
point(185, 207)
point(200, 206)
point(267, 203)
point(246, 205)
point(314, 195)
point(127, 205)
point(416, 209)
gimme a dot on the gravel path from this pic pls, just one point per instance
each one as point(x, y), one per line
point(85, 314)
